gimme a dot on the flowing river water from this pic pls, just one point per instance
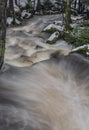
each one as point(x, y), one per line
point(50, 95)
point(27, 44)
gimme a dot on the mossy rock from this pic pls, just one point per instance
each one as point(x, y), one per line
point(82, 51)
point(85, 23)
point(53, 38)
point(52, 42)
point(51, 30)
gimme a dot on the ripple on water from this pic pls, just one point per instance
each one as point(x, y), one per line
point(12, 118)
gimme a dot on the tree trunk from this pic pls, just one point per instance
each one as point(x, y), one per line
point(75, 4)
point(38, 8)
point(11, 6)
point(79, 6)
point(16, 2)
point(68, 15)
point(3, 4)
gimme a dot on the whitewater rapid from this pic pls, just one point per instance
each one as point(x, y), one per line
point(27, 45)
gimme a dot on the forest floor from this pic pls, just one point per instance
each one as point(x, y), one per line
point(26, 44)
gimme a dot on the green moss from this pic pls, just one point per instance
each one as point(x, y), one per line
point(82, 38)
point(85, 23)
point(78, 37)
point(2, 49)
point(69, 38)
point(51, 30)
point(83, 50)
point(52, 42)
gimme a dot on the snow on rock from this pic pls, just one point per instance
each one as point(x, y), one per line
point(25, 14)
point(74, 25)
point(58, 22)
point(77, 19)
point(53, 38)
point(87, 7)
point(54, 27)
point(17, 21)
point(82, 49)
point(16, 8)
point(22, 3)
point(54, 35)
point(74, 18)
point(9, 20)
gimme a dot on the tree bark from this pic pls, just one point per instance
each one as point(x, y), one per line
point(38, 8)
point(68, 15)
point(16, 2)
point(11, 6)
point(75, 4)
point(3, 4)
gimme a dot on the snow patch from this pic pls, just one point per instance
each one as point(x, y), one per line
point(9, 20)
point(74, 25)
point(53, 38)
point(74, 18)
point(17, 21)
point(25, 14)
point(23, 3)
point(82, 47)
point(16, 8)
point(52, 26)
point(55, 35)
point(58, 22)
